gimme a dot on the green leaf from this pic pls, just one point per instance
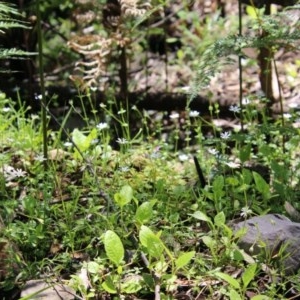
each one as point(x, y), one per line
point(237, 255)
point(201, 216)
point(218, 185)
point(109, 286)
point(261, 185)
point(208, 241)
point(260, 297)
point(247, 176)
point(82, 141)
point(245, 153)
point(93, 267)
point(113, 247)
point(219, 219)
point(144, 213)
point(251, 11)
point(132, 284)
point(233, 282)
point(184, 259)
point(124, 196)
point(154, 246)
point(249, 274)
point(234, 295)
point(254, 12)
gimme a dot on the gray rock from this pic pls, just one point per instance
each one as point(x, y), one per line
point(270, 235)
point(41, 290)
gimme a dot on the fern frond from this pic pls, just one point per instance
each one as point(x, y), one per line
point(9, 24)
point(13, 53)
point(8, 9)
point(132, 8)
point(280, 34)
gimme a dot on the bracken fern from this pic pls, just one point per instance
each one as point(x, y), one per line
point(282, 32)
point(10, 18)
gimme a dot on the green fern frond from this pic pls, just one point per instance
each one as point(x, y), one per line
point(279, 35)
point(10, 24)
point(13, 53)
point(8, 9)
point(6, 21)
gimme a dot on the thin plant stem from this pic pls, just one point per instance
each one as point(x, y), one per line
point(280, 101)
point(42, 84)
point(241, 71)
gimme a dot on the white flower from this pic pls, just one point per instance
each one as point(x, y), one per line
point(246, 101)
point(68, 144)
point(186, 89)
point(174, 116)
point(34, 117)
point(235, 108)
point(194, 113)
point(11, 173)
point(233, 165)
point(287, 116)
point(93, 88)
point(183, 157)
point(6, 109)
point(102, 126)
point(245, 212)
point(94, 141)
point(40, 158)
point(38, 97)
point(124, 169)
point(122, 141)
point(155, 155)
point(122, 111)
point(225, 135)
point(213, 151)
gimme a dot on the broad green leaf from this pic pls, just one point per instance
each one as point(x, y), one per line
point(233, 282)
point(109, 286)
point(218, 185)
point(245, 153)
point(144, 213)
point(124, 196)
point(201, 216)
point(219, 219)
point(132, 284)
point(261, 185)
point(113, 247)
point(151, 242)
point(265, 150)
point(82, 141)
point(280, 170)
point(208, 241)
point(260, 297)
point(249, 274)
point(93, 267)
point(184, 259)
point(234, 295)
point(247, 176)
point(79, 139)
point(252, 11)
point(237, 255)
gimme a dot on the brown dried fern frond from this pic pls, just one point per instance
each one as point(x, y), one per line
point(96, 51)
point(133, 8)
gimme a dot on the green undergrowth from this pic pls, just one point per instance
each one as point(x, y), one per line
point(133, 220)
point(139, 205)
